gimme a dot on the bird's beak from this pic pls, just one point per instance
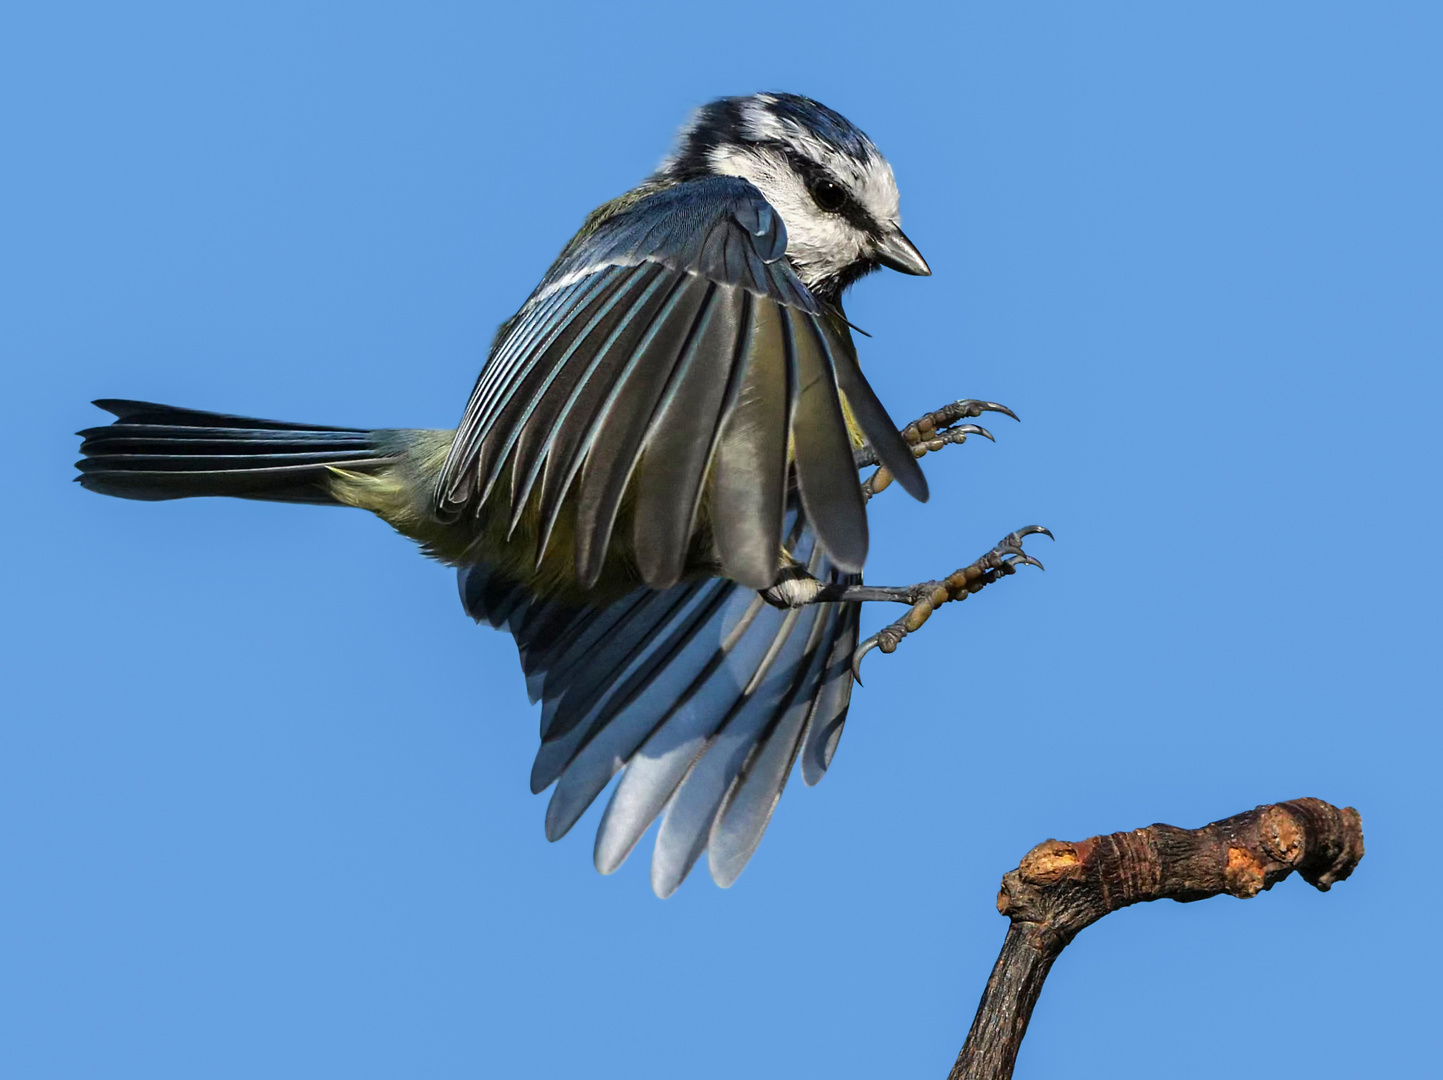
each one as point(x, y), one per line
point(896, 251)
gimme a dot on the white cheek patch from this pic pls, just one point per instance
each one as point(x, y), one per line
point(870, 180)
point(819, 244)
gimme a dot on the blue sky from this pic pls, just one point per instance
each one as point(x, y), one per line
point(263, 798)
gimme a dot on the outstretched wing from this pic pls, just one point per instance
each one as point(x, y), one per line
point(703, 694)
point(673, 343)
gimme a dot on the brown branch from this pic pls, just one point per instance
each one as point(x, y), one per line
point(1061, 888)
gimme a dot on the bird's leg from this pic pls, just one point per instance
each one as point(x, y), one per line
point(797, 588)
point(930, 433)
point(925, 597)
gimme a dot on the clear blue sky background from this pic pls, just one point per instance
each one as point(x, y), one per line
point(263, 786)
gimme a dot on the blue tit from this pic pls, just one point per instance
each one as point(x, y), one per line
point(668, 421)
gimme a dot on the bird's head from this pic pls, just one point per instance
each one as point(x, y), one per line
point(832, 187)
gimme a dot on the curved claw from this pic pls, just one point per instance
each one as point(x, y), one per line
point(968, 429)
point(1012, 554)
point(1028, 530)
point(1010, 546)
point(858, 653)
point(993, 406)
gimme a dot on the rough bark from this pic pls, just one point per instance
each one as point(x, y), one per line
point(1060, 888)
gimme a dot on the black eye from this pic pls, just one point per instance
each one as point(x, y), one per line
point(829, 195)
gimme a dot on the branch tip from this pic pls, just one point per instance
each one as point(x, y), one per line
point(1059, 888)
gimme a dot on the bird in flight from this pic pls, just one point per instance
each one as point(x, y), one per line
point(654, 485)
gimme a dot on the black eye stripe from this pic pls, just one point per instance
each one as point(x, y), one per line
point(811, 172)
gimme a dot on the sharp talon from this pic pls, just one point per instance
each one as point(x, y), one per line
point(1009, 548)
point(992, 406)
point(1028, 530)
point(857, 655)
point(969, 429)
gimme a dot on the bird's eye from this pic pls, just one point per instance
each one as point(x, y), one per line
point(829, 195)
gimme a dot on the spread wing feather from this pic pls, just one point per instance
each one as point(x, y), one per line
point(749, 476)
point(561, 431)
point(513, 402)
point(827, 479)
point(537, 419)
point(683, 439)
point(701, 695)
point(672, 343)
point(627, 418)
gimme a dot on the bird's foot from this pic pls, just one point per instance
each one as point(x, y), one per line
point(930, 433)
point(925, 597)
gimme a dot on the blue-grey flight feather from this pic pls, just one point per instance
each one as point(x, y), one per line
point(701, 695)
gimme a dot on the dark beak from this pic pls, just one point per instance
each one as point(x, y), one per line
point(899, 253)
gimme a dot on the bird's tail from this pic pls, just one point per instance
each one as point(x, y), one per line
point(161, 452)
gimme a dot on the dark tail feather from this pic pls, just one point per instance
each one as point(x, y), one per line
point(160, 452)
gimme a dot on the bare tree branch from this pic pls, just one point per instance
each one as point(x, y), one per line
point(1060, 888)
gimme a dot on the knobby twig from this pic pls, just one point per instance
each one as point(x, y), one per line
point(1061, 888)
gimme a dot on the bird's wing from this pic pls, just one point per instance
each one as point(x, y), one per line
point(672, 342)
point(702, 694)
